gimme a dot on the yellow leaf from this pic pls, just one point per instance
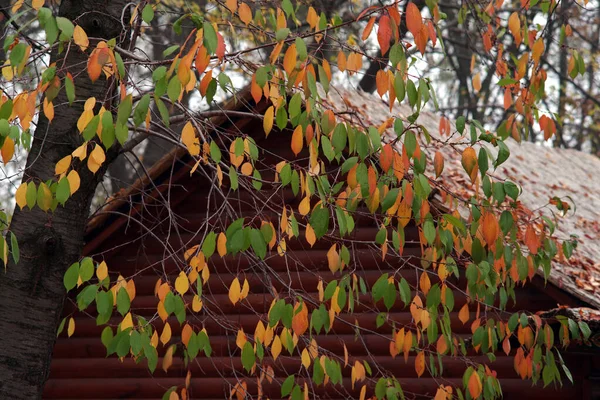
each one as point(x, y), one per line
point(305, 359)
point(268, 120)
point(46, 202)
point(333, 259)
point(37, 4)
point(297, 137)
point(182, 284)
point(102, 271)
point(80, 38)
point(281, 247)
point(189, 139)
point(168, 360)
point(48, 109)
point(276, 348)
point(245, 289)
point(21, 195)
point(235, 291)
point(165, 336)
point(8, 149)
point(96, 159)
point(311, 238)
point(89, 104)
point(222, 244)
point(241, 340)
point(71, 327)
point(363, 392)
point(18, 4)
point(127, 322)
point(63, 165)
point(154, 339)
point(80, 152)
point(245, 13)
point(196, 304)
point(304, 206)
point(74, 181)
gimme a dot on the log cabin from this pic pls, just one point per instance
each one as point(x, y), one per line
point(142, 233)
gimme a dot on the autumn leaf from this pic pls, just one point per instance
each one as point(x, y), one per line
point(268, 120)
point(414, 21)
point(384, 34)
point(420, 363)
point(235, 291)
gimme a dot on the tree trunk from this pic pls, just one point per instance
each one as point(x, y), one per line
point(32, 292)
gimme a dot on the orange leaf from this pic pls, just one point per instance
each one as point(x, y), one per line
point(297, 138)
point(245, 13)
point(384, 34)
point(414, 22)
point(477, 82)
point(289, 59)
point(300, 319)
point(514, 26)
point(420, 362)
point(438, 163)
point(469, 162)
point(475, 385)
point(386, 157)
point(463, 314)
point(489, 225)
point(368, 28)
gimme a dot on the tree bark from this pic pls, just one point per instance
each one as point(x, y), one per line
point(32, 292)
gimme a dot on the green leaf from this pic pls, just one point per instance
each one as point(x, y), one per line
point(258, 243)
point(208, 245)
point(65, 26)
point(148, 13)
point(210, 37)
point(301, 49)
point(170, 50)
point(14, 248)
point(503, 154)
point(17, 54)
point(71, 276)
point(141, 110)
point(63, 191)
point(123, 301)
point(233, 178)
point(86, 269)
point(215, 152)
point(282, 34)
point(460, 124)
point(31, 195)
point(248, 356)
point(174, 88)
point(162, 109)
point(104, 302)
point(319, 220)
point(61, 326)
point(124, 110)
point(287, 385)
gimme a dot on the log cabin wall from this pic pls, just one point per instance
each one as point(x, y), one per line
point(80, 369)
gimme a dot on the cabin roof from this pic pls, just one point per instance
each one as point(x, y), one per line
point(543, 172)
